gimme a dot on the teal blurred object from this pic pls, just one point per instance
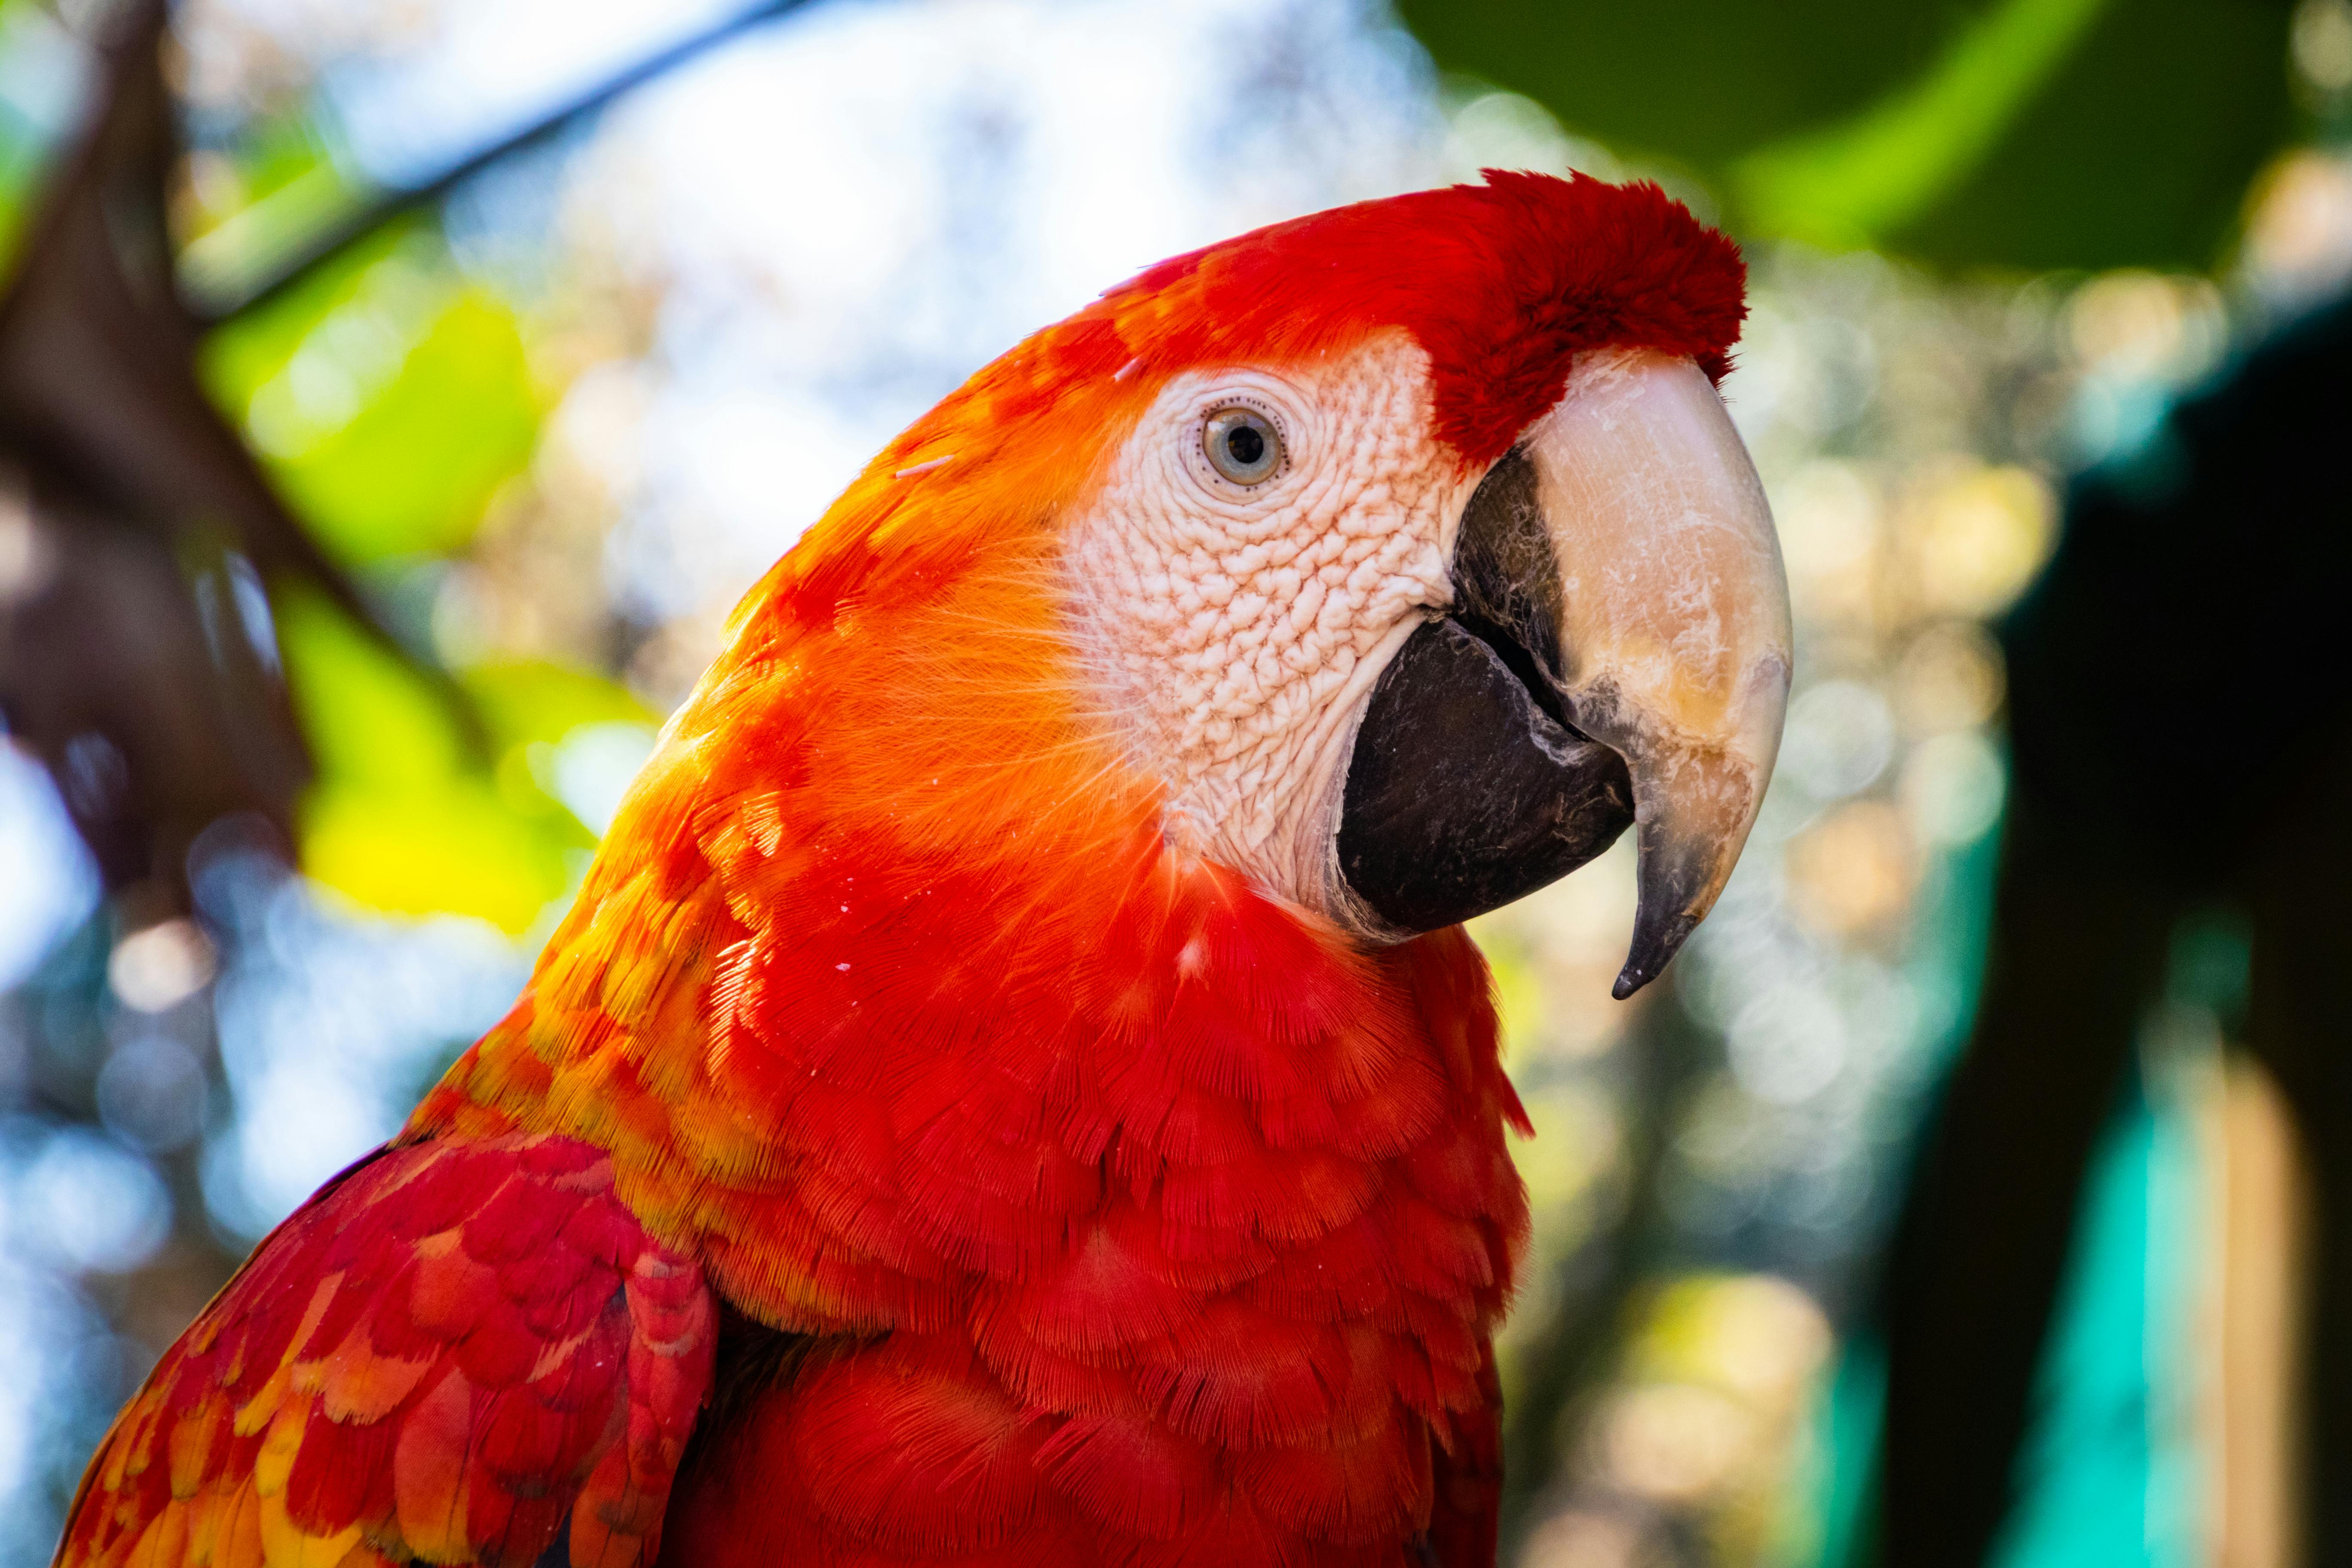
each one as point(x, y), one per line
point(2017, 133)
point(2108, 1477)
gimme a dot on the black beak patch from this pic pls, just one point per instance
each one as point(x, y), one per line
point(1468, 787)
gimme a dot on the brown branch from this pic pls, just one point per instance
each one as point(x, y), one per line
point(211, 302)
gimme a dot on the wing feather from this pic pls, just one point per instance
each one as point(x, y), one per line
point(460, 1351)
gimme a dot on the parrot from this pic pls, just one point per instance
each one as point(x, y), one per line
point(1013, 1088)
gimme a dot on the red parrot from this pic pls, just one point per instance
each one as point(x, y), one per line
point(1013, 1088)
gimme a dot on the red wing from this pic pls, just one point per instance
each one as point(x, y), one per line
point(450, 1354)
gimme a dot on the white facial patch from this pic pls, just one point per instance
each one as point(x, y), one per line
point(1235, 630)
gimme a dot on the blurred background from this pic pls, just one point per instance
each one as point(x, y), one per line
point(395, 395)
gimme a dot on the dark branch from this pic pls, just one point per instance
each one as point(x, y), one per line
point(211, 303)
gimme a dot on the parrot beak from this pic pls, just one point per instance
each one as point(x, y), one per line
point(1674, 612)
point(1617, 652)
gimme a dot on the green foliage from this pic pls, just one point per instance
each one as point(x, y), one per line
point(279, 154)
point(1883, 167)
point(2136, 154)
point(410, 813)
point(389, 397)
point(2029, 134)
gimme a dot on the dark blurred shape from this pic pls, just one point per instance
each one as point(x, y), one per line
point(2181, 700)
point(137, 657)
point(2032, 134)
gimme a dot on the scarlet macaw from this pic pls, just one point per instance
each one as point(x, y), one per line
point(1013, 1088)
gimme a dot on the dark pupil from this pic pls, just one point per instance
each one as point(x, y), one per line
point(1246, 445)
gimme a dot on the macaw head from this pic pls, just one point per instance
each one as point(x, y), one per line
point(1396, 559)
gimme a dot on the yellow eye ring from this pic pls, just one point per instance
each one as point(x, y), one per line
point(1242, 444)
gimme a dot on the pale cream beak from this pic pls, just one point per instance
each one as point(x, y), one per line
point(1674, 637)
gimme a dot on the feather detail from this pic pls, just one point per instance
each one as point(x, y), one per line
point(452, 1352)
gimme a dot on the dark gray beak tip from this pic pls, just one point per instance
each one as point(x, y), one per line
point(1655, 943)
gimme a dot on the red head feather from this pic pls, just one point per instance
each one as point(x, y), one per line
point(1502, 284)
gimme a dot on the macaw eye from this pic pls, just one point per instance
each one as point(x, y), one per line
point(1243, 445)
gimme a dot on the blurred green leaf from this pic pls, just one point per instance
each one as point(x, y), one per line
point(1701, 81)
point(282, 152)
point(389, 397)
point(526, 701)
point(2032, 134)
point(2139, 150)
point(405, 816)
point(278, 187)
point(1866, 176)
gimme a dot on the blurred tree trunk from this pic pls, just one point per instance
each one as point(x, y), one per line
point(137, 657)
point(1973, 1274)
point(2180, 709)
point(2300, 1025)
